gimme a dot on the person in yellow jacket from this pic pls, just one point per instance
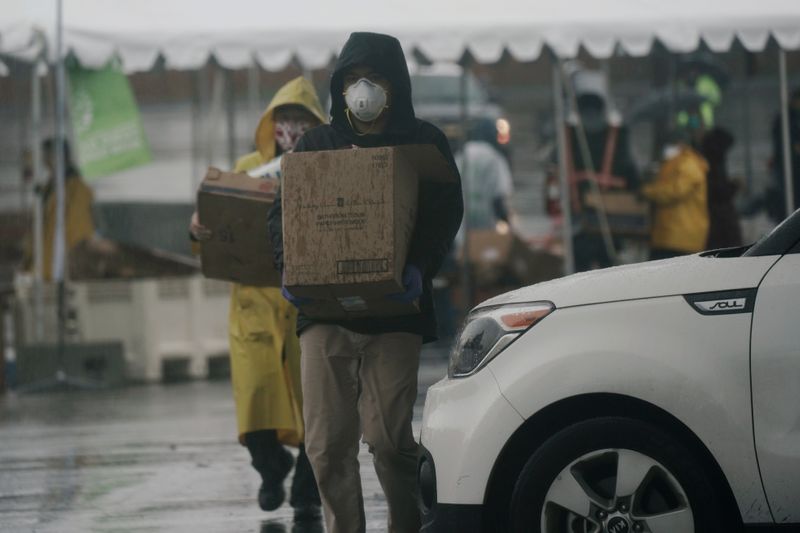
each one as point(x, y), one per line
point(264, 349)
point(680, 206)
point(79, 226)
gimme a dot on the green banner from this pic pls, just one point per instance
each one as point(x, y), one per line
point(108, 131)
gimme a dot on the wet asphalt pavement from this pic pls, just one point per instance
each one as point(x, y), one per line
point(154, 458)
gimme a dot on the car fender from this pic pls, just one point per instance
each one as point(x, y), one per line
point(700, 376)
point(465, 424)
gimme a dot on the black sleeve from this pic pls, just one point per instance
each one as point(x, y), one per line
point(275, 228)
point(275, 218)
point(500, 208)
point(439, 213)
point(623, 160)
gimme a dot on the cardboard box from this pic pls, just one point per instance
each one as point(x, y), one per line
point(627, 214)
point(348, 217)
point(489, 253)
point(505, 259)
point(234, 207)
point(528, 265)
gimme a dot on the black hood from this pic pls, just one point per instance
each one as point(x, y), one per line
point(384, 54)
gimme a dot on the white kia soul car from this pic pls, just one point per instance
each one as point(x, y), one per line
point(662, 397)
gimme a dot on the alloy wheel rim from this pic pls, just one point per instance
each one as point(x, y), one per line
point(616, 490)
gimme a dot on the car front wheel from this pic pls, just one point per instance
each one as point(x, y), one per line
point(614, 475)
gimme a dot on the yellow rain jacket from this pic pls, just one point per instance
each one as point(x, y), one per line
point(78, 222)
point(264, 348)
point(679, 194)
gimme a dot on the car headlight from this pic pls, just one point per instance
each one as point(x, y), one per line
point(489, 331)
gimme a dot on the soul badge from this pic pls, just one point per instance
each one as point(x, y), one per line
point(723, 302)
point(719, 306)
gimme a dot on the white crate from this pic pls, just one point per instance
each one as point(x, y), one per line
point(156, 319)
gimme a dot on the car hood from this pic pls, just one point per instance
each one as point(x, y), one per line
point(681, 275)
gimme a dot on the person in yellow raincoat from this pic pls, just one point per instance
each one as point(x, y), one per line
point(680, 206)
point(264, 349)
point(79, 227)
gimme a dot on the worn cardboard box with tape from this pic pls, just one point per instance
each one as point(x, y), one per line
point(234, 207)
point(348, 217)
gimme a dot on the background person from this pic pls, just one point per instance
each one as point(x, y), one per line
point(360, 376)
point(80, 233)
point(486, 178)
point(700, 74)
point(264, 349)
point(724, 231)
point(775, 196)
point(612, 167)
point(680, 201)
point(487, 185)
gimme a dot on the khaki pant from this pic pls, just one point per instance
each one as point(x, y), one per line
point(355, 383)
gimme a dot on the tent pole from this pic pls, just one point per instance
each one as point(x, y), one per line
point(59, 243)
point(59, 256)
point(787, 148)
point(59, 267)
point(253, 79)
point(230, 116)
point(561, 141)
point(36, 157)
point(197, 125)
point(214, 108)
point(466, 274)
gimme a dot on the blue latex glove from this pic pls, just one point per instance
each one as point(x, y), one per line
point(296, 301)
point(412, 281)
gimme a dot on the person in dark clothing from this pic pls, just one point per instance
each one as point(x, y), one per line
point(612, 167)
point(360, 376)
point(775, 195)
point(724, 229)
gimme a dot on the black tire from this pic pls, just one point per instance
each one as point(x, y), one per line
point(605, 434)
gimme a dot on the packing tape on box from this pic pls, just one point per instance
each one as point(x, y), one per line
point(352, 303)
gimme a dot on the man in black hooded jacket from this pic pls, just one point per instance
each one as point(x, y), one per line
point(360, 375)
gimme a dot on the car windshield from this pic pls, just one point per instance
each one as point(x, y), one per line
point(779, 240)
point(445, 89)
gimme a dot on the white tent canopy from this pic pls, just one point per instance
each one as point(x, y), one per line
point(19, 39)
point(236, 32)
point(239, 33)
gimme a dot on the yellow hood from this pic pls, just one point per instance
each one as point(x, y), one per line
point(299, 91)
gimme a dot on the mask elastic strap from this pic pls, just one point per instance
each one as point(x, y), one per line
point(371, 124)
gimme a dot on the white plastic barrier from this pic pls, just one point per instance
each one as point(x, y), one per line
point(158, 320)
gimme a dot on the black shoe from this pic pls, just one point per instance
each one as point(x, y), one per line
point(307, 513)
point(272, 527)
point(271, 496)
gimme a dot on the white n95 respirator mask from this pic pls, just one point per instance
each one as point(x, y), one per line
point(670, 151)
point(365, 100)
